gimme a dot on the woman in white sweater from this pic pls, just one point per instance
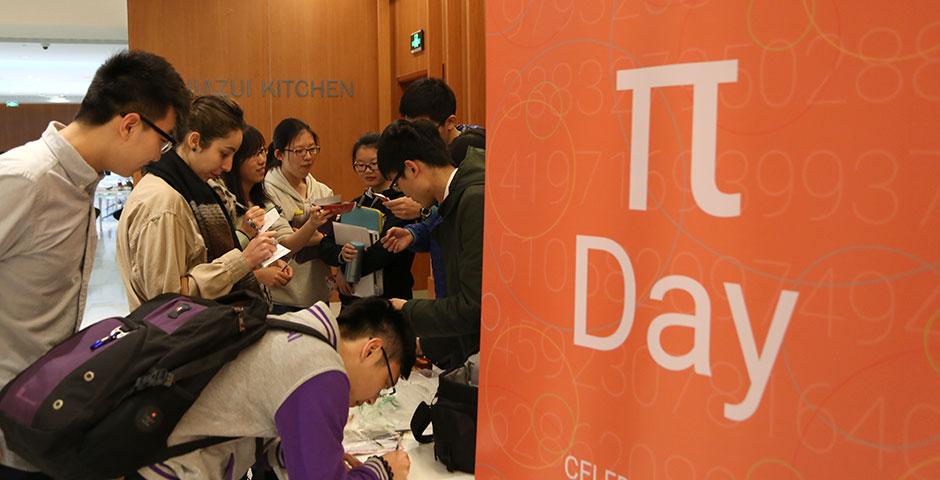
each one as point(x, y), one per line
point(294, 149)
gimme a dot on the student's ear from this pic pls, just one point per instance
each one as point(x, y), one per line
point(127, 123)
point(369, 348)
point(411, 165)
point(192, 140)
point(451, 122)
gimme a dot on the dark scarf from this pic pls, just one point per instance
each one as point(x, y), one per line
point(211, 217)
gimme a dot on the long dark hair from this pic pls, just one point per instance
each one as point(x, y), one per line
point(252, 143)
point(286, 131)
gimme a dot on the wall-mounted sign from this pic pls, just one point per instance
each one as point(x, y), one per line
point(417, 41)
point(329, 88)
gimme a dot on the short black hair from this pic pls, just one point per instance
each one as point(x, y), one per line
point(428, 97)
point(375, 317)
point(252, 143)
point(368, 139)
point(134, 81)
point(410, 140)
point(213, 116)
point(473, 137)
point(285, 132)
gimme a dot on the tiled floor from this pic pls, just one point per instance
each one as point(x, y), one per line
point(105, 290)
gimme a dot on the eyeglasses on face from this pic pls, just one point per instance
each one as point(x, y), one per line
point(394, 184)
point(365, 167)
point(387, 392)
point(168, 144)
point(263, 152)
point(301, 151)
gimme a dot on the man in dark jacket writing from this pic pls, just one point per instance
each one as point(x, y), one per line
point(413, 155)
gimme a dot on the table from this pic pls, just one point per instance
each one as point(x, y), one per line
point(393, 414)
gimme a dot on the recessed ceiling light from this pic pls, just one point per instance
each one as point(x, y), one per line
point(13, 104)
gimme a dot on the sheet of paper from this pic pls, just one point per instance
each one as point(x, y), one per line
point(280, 252)
point(269, 218)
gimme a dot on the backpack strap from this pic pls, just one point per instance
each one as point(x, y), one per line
point(167, 378)
point(296, 327)
point(420, 421)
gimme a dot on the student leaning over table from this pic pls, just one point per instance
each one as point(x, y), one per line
point(174, 234)
point(47, 186)
point(300, 392)
point(415, 157)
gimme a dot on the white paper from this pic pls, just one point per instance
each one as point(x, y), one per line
point(280, 252)
point(270, 217)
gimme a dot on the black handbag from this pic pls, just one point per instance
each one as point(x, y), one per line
point(453, 415)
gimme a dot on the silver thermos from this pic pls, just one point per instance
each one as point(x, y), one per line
point(353, 269)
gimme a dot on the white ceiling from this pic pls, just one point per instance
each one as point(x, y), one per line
point(80, 35)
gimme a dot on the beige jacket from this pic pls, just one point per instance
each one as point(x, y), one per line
point(158, 243)
point(309, 283)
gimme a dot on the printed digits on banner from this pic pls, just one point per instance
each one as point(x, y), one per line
point(815, 97)
point(874, 415)
point(885, 295)
point(762, 74)
point(745, 82)
point(614, 380)
point(555, 264)
point(879, 68)
point(879, 187)
point(923, 314)
point(591, 82)
point(838, 185)
point(639, 371)
point(512, 85)
point(931, 412)
point(506, 255)
point(690, 376)
point(809, 419)
point(642, 462)
point(782, 279)
point(719, 396)
point(592, 158)
point(679, 467)
point(552, 169)
point(564, 98)
point(787, 189)
point(829, 314)
point(716, 282)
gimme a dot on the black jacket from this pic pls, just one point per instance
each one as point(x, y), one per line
point(397, 281)
point(455, 319)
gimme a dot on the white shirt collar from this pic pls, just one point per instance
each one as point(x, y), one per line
point(449, 181)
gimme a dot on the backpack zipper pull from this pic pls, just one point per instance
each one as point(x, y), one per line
point(115, 334)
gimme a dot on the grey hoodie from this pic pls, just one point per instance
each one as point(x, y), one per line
point(309, 283)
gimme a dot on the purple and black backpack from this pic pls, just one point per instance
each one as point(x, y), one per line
point(102, 403)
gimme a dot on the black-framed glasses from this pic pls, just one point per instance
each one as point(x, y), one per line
point(301, 151)
point(263, 152)
point(394, 184)
point(168, 144)
point(387, 392)
point(365, 167)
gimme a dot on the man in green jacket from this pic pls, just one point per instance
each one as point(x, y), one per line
point(413, 155)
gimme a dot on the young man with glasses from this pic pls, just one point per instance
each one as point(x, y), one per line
point(302, 388)
point(47, 233)
point(414, 156)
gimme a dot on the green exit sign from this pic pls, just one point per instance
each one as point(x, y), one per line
point(417, 41)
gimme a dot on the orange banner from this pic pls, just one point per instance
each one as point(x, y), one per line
point(712, 240)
